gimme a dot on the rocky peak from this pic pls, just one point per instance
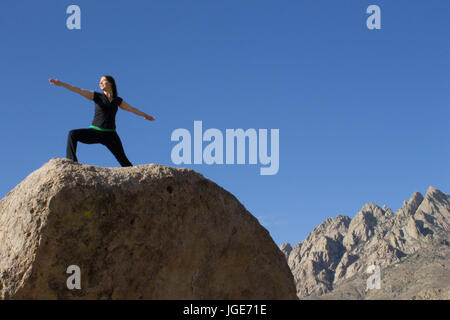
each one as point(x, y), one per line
point(332, 227)
point(434, 211)
point(436, 195)
point(362, 226)
point(410, 206)
point(286, 249)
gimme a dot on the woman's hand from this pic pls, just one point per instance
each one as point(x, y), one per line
point(149, 117)
point(55, 82)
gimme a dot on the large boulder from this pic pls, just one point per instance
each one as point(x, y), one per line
point(142, 232)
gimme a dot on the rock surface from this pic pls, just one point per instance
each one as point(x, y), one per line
point(331, 263)
point(143, 232)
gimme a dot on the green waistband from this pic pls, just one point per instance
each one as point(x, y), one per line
point(101, 129)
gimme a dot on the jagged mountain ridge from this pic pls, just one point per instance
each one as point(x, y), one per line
point(341, 248)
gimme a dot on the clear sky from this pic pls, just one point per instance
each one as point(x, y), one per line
point(362, 114)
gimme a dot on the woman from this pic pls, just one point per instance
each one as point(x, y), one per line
point(103, 128)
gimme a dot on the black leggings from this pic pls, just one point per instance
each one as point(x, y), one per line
point(89, 136)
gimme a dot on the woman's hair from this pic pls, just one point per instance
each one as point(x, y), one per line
point(111, 80)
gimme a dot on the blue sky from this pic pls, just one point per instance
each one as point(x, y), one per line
point(363, 114)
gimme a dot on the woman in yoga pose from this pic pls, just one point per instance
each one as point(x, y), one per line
point(103, 127)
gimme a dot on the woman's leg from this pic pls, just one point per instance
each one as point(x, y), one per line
point(114, 145)
point(88, 136)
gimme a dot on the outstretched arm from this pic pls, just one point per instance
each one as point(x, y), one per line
point(85, 93)
point(125, 106)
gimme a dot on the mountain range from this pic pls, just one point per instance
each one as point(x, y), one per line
point(410, 249)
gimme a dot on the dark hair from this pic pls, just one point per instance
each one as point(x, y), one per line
point(111, 80)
